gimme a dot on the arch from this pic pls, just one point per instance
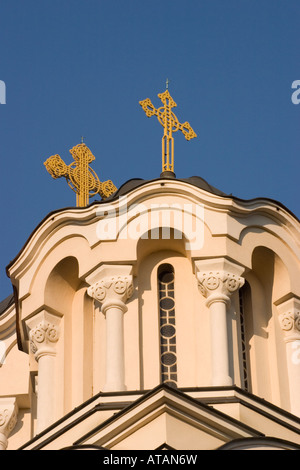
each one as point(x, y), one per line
point(259, 238)
point(190, 323)
point(61, 285)
point(153, 242)
point(65, 294)
point(157, 220)
point(266, 282)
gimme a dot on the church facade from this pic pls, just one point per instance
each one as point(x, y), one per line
point(164, 317)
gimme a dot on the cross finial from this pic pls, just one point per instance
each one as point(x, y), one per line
point(80, 177)
point(82, 138)
point(167, 84)
point(170, 123)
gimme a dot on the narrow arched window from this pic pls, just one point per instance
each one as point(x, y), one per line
point(245, 305)
point(168, 357)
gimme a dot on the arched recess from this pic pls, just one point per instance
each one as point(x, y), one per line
point(190, 348)
point(267, 281)
point(61, 285)
point(65, 294)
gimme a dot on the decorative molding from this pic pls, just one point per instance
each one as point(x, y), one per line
point(289, 318)
point(44, 332)
point(218, 278)
point(8, 419)
point(111, 285)
point(119, 287)
point(290, 324)
point(222, 282)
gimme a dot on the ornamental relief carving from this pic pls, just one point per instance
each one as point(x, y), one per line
point(120, 287)
point(218, 281)
point(290, 321)
point(8, 420)
point(43, 333)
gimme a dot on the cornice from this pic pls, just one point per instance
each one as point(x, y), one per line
point(120, 401)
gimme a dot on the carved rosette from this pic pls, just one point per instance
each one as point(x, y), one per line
point(290, 323)
point(109, 288)
point(218, 282)
point(8, 419)
point(45, 334)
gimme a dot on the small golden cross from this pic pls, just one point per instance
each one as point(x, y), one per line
point(80, 177)
point(170, 124)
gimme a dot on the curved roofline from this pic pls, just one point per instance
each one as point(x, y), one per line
point(199, 183)
point(134, 183)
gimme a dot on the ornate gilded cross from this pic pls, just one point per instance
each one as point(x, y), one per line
point(170, 123)
point(80, 177)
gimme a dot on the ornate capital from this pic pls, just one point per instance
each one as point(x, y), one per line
point(111, 285)
point(112, 289)
point(218, 278)
point(8, 419)
point(290, 321)
point(43, 332)
point(289, 318)
point(218, 282)
point(43, 335)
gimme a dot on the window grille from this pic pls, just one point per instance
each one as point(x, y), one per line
point(243, 340)
point(168, 357)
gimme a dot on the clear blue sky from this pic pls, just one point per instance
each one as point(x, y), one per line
point(80, 67)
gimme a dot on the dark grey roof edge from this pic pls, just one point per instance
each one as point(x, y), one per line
point(194, 180)
point(267, 441)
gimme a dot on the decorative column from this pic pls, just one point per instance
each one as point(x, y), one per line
point(218, 279)
point(43, 331)
point(8, 419)
point(289, 319)
point(113, 287)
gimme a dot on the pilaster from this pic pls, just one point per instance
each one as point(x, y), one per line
point(289, 320)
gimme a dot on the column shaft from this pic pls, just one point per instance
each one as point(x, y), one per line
point(112, 286)
point(219, 344)
point(43, 331)
point(289, 319)
point(293, 363)
point(115, 376)
point(46, 392)
point(218, 279)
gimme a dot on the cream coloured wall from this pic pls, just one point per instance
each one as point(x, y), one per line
point(62, 259)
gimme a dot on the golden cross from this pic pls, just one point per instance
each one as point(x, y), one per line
point(170, 124)
point(80, 177)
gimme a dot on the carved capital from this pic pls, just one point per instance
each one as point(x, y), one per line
point(43, 331)
point(110, 289)
point(290, 321)
point(218, 282)
point(111, 285)
point(8, 419)
point(289, 318)
point(218, 278)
